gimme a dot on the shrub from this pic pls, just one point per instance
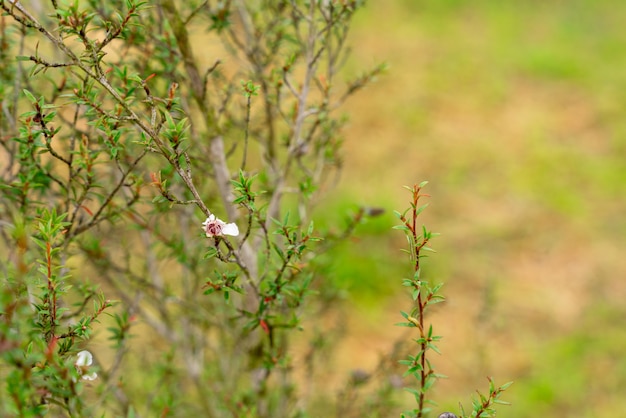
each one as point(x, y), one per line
point(169, 156)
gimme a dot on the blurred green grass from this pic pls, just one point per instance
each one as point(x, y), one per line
point(515, 113)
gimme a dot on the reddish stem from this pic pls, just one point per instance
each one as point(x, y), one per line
point(52, 296)
point(417, 247)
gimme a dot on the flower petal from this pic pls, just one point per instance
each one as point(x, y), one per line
point(230, 229)
point(90, 376)
point(84, 358)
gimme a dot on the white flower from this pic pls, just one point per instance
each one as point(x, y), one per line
point(83, 361)
point(214, 227)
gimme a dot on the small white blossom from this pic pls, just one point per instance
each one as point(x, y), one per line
point(214, 227)
point(83, 361)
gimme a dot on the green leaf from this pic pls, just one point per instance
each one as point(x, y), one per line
point(421, 209)
point(413, 391)
point(506, 385)
point(279, 251)
point(310, 229)
point(433, 347)
point(29, 96)
point(211, 252)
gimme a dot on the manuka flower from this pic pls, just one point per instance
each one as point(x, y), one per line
point(83, 361)
point(214, 227)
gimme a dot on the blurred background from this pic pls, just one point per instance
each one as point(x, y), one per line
point(515, 112)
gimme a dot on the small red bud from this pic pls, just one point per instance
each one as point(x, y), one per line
point(265, 327)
